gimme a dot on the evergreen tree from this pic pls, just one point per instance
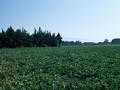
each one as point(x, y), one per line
point(25, 38)
point(106, 41)
point(0, 40)
point(116, 41)
point(18, 38)
point(10, 36)
point(41, 38)
point(54, 40)
point(3, 39)
point(35, 38)
point(59, 39)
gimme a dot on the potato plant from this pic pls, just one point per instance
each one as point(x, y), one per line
point(58, 68)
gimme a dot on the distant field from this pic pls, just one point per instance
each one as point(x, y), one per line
point(57, 68)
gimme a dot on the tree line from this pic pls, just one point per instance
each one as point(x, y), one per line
point(67, 43)
point(11, 38)
point(105, 42)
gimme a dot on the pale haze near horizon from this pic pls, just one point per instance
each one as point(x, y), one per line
point(83, 20)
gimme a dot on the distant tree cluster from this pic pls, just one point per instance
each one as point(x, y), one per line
point(116, 41)
point(105, 42)
point(21, 38)
point(71, 43)
point(113, 41)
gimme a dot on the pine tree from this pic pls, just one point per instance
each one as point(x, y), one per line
point(54, 40)
point(35, 37)
point(59, 39)
point(10, 36)
point(0, 40)
point(18, 38)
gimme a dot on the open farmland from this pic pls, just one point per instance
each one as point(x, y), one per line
point(57, 68)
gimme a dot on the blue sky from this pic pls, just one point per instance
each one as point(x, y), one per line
point(84, 20)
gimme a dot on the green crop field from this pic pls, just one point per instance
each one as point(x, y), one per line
point(58, 68)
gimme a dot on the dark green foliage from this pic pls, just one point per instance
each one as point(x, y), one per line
point(89, 43)
point(21, 38)
point(10, 37)
point(71, 43)
point(116, 41)
point(0, 39)
point(59, 39)
point(106, 41)
point(18, 38)
point(3, 39)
